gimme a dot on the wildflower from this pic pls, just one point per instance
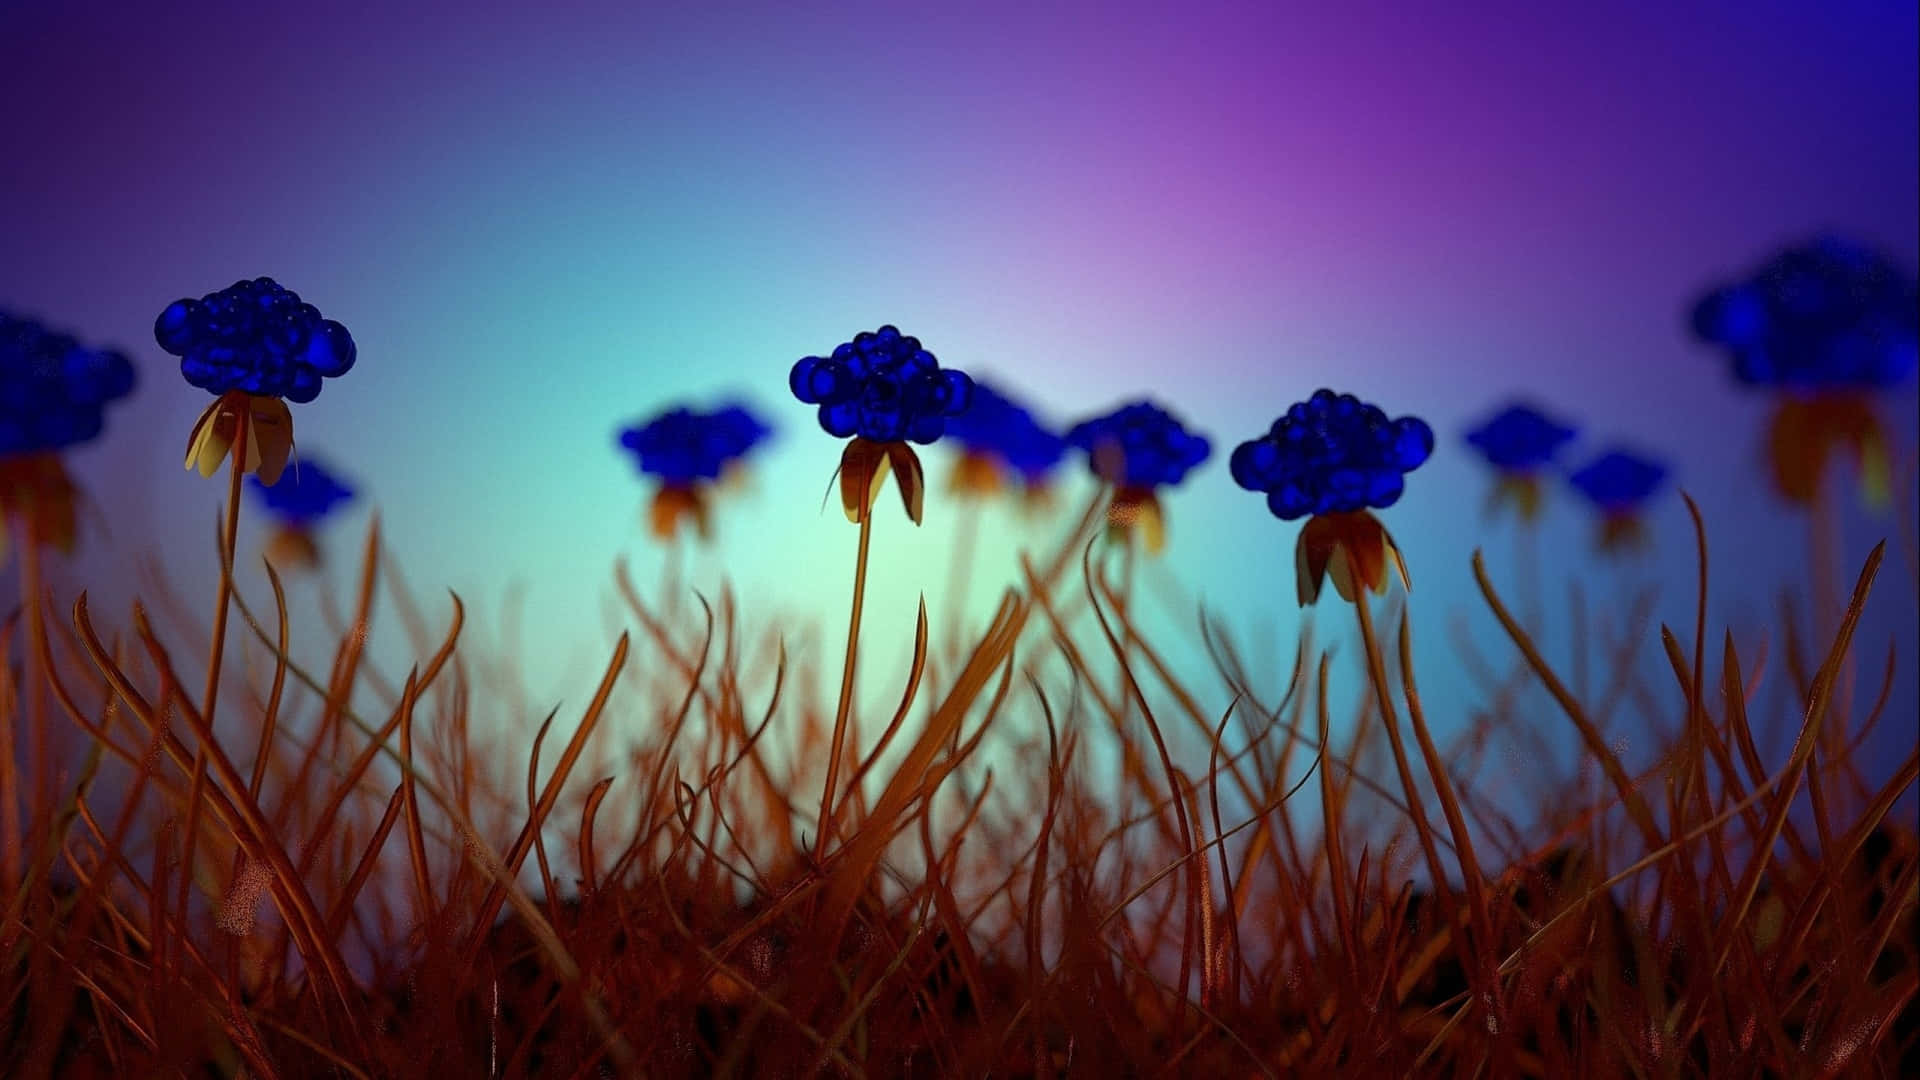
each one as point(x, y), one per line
point(1824, 326)
point(256, 346)
point(53, 396)
point(688, 452)
point(999, 439)
point(882, 392)
point(1139, 448)
point(1519, 442)
point(298, 506)
point(1335, 458)
point(742, 433)
point(1619, 484)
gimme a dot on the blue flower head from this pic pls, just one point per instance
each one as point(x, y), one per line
point(303, 496)
point(1619, 482)
point(1332, 454)
point(739, 431)
point(1826, 315)
point(883, 387)
point(255, 337)
point(1519, 439)
point(681, 446)
point(53, 390)
point(1151, 447)
point(993, 425)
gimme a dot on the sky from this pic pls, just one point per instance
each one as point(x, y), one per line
point(542, 224)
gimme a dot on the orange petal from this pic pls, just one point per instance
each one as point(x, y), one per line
point(910, 476)
point(291, 548)
point(1522, 490)
point(976, 474)
point(1619, 532)
point(863, 468)
point(673, 504)
point(1393, 552)
point(269, 438)
point(1311, 554)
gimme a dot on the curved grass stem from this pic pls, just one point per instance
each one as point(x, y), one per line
point(845, 707)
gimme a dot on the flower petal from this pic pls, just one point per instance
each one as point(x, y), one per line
point(911, 478)
point(292, 548)
point(863, 469)
point(213, 435)
point(269, 438)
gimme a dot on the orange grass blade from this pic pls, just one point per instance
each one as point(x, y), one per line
point(516, 855)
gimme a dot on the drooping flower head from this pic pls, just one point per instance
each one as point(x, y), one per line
point(302, 499)
point(881, 391)
point(256, 346)
point(1139, 448)
point(1519, 442)
point(1826, 315)
point(53, 396)
point(1827, 324)
point(997, 436)
point(1336, 458)
point(1619, 484)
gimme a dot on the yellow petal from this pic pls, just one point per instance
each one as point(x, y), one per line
point(212, 436)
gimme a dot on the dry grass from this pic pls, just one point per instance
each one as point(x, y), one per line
point(339, 876)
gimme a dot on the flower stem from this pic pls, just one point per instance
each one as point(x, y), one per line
point(223, 593)
point(966, 534)
point(1124, 616)
point(11, 840)
point(846, 678)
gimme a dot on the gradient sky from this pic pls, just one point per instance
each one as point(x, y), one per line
point(542, 224)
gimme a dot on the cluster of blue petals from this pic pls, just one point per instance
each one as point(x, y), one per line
point(307, 492)
point(1519, 439)
point(1828, 315)
point(1332, 454)
point(1155, 449)
point(998, 427)
point(882, 386)
point(256, 337)
point(683, 445)
point(1619, 482)
point(53, 390)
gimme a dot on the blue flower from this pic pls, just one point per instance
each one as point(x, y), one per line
point(1332, 454)
point(1140, 445)
point(255, 337)
point(304, 496)
point(1520, 439)
point(53, 390)
point(681, 446)
point(1825, 315)
point(1619, 482)
point(883, 387)
point(997, 428)
point(739, 431)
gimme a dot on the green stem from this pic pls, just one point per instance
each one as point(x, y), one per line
point(846, 679)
